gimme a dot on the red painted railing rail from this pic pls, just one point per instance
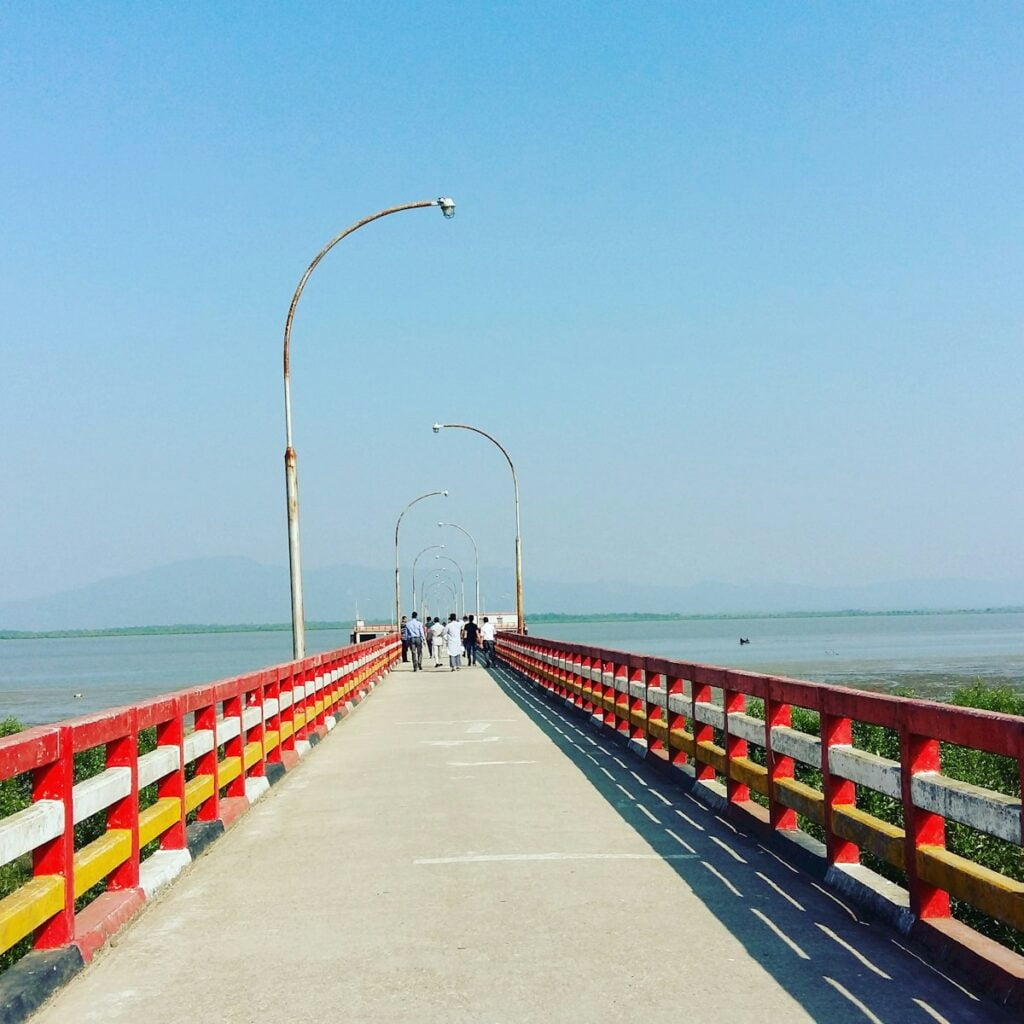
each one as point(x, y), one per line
point(696, 717)
point(216, 749)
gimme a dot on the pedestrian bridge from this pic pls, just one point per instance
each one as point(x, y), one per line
point(571, 835)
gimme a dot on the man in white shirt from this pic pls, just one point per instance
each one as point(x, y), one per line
point(487, 635)
point(437, 633)
point(453, 640)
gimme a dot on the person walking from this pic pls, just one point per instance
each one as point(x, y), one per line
point(416, 637)
point(453, 641)
point(487, 633)
point(437, 636)
point(470, 634)
point(405, 639)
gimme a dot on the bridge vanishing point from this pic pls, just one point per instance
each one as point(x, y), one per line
point(567, 836)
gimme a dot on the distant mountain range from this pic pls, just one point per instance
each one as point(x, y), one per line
point(223, 591)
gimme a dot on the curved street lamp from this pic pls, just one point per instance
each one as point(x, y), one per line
point(398, 593)
point(290, 461)
point(520, 620)
point(476, 560)
point(449, 586)
point(430, 547)
point(449, 579)
point(462, 579)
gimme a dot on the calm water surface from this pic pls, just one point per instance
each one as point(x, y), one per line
point(930, 653)
point(38, 678)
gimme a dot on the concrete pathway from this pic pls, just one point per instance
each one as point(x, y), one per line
point(461, 850)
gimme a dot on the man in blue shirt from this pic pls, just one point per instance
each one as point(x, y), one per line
point(414, 630)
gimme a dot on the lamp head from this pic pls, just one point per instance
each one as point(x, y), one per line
point(444, 494)
point(437, 428)
point(447, 205)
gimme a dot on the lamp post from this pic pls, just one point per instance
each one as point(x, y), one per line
point(520, 620)
point(448, 581)
point(430, 547)
point(290, 460)
point(476, 561)
point(398, 593)
point(462, 579)
point(444, 583)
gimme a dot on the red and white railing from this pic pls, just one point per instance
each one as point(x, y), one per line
point(672, 710)
point(216, 745)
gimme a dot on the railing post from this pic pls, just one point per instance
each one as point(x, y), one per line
point(287, 685)
point(316, 697)
point(123, 752)
point(207, 764)
point(338, 680)
point(655, 714)
point(575, 663)
point(273, 692)
point(587, 683)
point(676, 719)
point(620, 718)
point(734, 702)
point(919, 754)
point(255, 734)
point(234, 747)
point(330, 691)
point(359, 676)
point(55, 781)
point(301, 679)
point(608, 693)
point(702, 732)
point(780, 766)
point(637, 679)
point(836, 731)
point(343, 683)
point(172, 734)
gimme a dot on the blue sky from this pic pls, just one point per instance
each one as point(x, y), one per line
point(738, 285)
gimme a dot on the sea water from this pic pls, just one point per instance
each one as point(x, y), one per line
point(930, 654)
point(40, 678)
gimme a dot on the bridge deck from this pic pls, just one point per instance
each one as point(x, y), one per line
point(462, 851)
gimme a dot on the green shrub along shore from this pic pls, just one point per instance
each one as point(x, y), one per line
point(980, 769)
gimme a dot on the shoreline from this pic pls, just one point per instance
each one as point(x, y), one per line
point(194, 629)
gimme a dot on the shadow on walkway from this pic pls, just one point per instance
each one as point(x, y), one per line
point(838, 965)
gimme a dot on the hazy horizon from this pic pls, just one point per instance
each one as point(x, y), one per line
point(739, 288)
point(236, 591)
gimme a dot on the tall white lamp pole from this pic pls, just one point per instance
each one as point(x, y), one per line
point(520, 619)
point(290, 461)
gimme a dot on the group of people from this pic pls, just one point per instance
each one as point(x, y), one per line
point(452, 637)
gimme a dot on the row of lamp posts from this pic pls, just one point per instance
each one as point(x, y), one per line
point(447, 207)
